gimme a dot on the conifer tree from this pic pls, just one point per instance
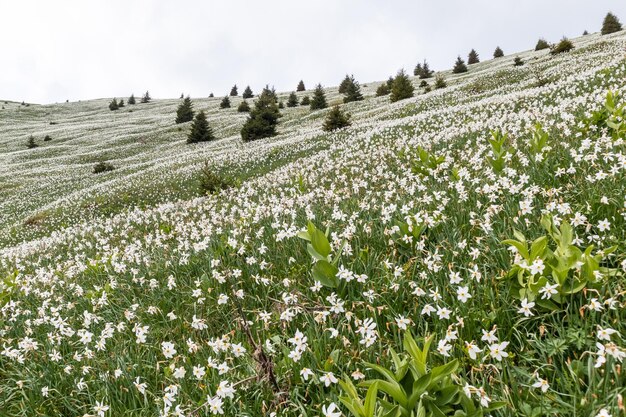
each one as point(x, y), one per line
point(243, 107)
point(390, 82)
point(382, 90)
point(472, 58)
point(426, 71)
point(146, 98)
point(30, 143)
point(541, 44)
point(200, 129)
point(281, 105)
point(211, 95)
point(113, 105)
point(459, 66)
point(418, 70)
point(518, 62)
point(344, 84)
point(247, 93)
point(300, 86)
point(319, 98)
point(305, 101)
point(131, 99)
point(225, 104)
point(440, 82)
point(182, 95)
point(498, 52)
point(121, 103)
point(292, 101)
point(233, 91)
point(565, 45)
point(611, 24)
point(263, 118)
point(336, 119)
point(585, 33)
point(185, 111)
point(352, 91)
point(402, 87)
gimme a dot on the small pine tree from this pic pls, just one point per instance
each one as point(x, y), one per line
point(247, 93)
point(542, 44)
point(402, 87)
point(243, 107)
point(424, 83)
point(459, 66)
point(292, 101)
point(498, 53)
point(47, 138)
point(211, 95)
point(319, 98)
point(352, 91)
point(565, 45)
point(30, 143)
point(281, 105)
point(185, 111)
point(182, 95)
point(611, 24)
point(440, 82)
point(344, 84)
point(263, 118)
point(518, 62)
point(225, 104)
point(585, 33)
point(121, 103)
point(113, 105)
point(426, 71)
point(472, 58)
point(336, 119)
point(200, 129)
point(390, 82)
point(300, 86)
point(382, 90)
point(131, 99)
point(233, 91)
point(418, 70)
point(305, 101)
point(146, 98)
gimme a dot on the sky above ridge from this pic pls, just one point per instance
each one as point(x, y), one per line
point(60, 50)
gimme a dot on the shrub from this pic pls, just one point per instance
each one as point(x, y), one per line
point(211, 182)
point(565, 45)
point(498, 53)
point(121, 104)
point(300, 86)
point(211, 95)
point(305, 101)
point(402, 87)
point(225, 104)
point(47, 138)
point(611, 24)
point(424, 83)
point(518, 62)
point(472, 58)
point(233, 91)
point(382, 90)
point(185, 111)
point(459, 66)
point(541, 44)
point(585, 33)
point(247, 93)
point(263, 118)
point(30, 143)
point(292, 101)
point(113, 105)
point(319, 98)
point(243, 107)
point(102, 167)
point(200, 129)
point(281, 105)
point(440, 82)
point(146, 98)
point(353, 91)
point(336, 119)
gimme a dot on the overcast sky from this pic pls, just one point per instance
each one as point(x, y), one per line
point(53, 50)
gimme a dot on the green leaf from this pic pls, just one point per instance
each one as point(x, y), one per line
point(538, 247)
point(384, 372)
point(370, 400)
point(319, 241)
point(326, 274)
point(521, 247)
point(314, 254)
point(444, 370)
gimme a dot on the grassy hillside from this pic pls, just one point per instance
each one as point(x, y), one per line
point(486, 219)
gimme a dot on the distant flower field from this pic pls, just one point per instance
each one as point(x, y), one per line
point(458, 253)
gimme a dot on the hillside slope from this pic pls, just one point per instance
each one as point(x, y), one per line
point(170, 305)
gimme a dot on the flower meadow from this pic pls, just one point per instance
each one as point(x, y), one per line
point(458, 253)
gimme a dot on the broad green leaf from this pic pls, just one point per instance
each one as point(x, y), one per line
point(326, 274)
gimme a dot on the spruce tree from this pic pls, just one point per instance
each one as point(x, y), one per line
point(243, 107)
point(247, 93)
point(305, 101)
point(233, 91)
point(541, 44)
point(611, 24)
point(225, 104)
point(472, 58)
point(263, 118)
point(382, 90)
point(30, 143)
point(113, 105)
point(518, 62)
point(300, 86)
point(281, 105)
point(185, 111)
point(121, 103)
point(344, 84)
point(426, 71)
point(146, 98)
point(336, 119)
point(200, 129)
point(418, 70)
point(498, 52)
point(440, 82)
point(292, 101)
point(402, 87)
point(565, 45)
point(211, 95)
point(353, 91)
point(319, 98)
point(131, 99)
point(390, 82)
point(459, 66)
